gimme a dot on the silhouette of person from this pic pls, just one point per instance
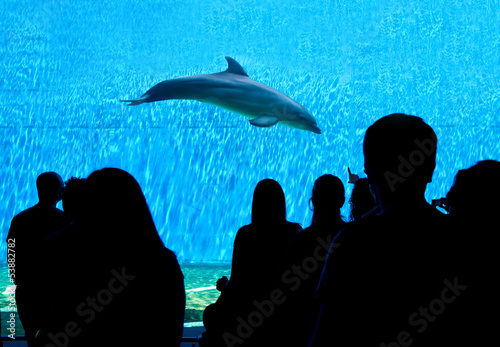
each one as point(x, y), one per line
point(384, 270)
point(58, 286)
point(470, 204)
point(303, 264)
point(473, 210)
point(127, 288)
point(29, 228)
point(258, 251)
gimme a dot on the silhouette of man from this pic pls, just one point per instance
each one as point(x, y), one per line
point(29, 228)
point(386, 272)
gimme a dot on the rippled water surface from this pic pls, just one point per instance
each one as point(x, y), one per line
point(64, 66)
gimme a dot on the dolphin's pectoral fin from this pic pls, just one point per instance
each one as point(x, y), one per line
point(264, 121)
point(137, 101)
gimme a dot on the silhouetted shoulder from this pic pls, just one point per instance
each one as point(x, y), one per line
point(399, 256)
point(356, 229)
point(21, 218)
point(383, 239)
point(317, 229)
point(25, 213)
point(169, 255)
point(305, 240)
point(272, 230)
point(244, 231)
point(166, 275)
point(295, 226)
point(425, 218)
point(170, 262)
point(41, 212)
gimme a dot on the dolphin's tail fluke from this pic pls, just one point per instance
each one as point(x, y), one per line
point(138, 101)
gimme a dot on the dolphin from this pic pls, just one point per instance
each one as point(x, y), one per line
point(233, 90)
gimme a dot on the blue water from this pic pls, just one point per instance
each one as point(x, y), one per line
point(64, 65)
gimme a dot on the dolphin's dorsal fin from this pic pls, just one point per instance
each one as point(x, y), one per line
point(234, 67)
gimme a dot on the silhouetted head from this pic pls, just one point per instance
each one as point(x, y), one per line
point(400, 156)
point(116, 208)
point(362, 200)
point(328, 196)
point(268, 204)
point(72, 198)
point(475, 194)
point(49, 186)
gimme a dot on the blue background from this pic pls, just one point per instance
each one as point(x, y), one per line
point(65, 64)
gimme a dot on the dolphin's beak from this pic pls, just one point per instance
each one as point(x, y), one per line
point(314, 128)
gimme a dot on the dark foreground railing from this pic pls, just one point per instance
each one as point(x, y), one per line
point(23, 338)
